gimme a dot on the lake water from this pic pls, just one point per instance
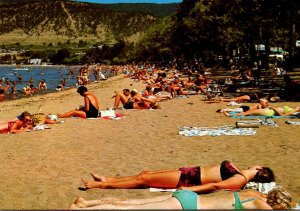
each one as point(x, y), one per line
point(52, 74)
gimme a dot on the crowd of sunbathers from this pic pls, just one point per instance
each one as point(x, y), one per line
point(221, 183)
point(163, 84)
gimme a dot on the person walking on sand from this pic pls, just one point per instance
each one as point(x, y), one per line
point(91, 108)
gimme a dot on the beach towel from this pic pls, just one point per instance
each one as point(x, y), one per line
point(268, 121)
point(181, 96)
point(293, 122)
point(107, 113)
point(233, 103)
point(215, 131)
point(162, 190)
point(117, 116)
point(41, 127)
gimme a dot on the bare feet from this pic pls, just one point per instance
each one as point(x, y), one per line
point(99, 178)
point(81, 202)
point(73, 207)
point(90, 184)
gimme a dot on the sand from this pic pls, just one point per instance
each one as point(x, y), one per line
point(43, 169)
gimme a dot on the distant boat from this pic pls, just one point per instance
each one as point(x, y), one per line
point(24, 68)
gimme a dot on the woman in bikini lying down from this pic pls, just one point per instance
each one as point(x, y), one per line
point(201, 180)
point(21, 124)
point(277, 198)
point(269, 112)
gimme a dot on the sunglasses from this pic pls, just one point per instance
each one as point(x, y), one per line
point(27, 120)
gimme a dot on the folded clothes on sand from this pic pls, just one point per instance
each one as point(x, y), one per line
point(261, 187)
point(268, 121)
point(215, 131)
point(233, 103)
point(41, 127)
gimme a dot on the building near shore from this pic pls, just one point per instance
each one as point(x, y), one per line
point(35, 61)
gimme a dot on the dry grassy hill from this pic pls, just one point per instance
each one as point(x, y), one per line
point(38, 22)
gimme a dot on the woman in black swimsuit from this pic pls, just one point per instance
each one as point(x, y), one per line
point(201, 180)
point(91, 108)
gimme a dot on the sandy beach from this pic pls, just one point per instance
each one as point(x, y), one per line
point(43, 169)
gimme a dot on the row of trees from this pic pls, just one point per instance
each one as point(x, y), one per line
point(205, 28)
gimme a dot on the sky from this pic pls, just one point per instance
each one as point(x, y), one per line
point(131, 1)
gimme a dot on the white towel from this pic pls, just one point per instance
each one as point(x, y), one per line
point(161, 190)
point(233, 103)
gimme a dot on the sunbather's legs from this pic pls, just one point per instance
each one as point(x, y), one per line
point(237, 99)
point(168, 202)
point(74, 113)
point(50, 121)
point(158, 179)
point(3, 127)
point(141, 105)
point(82, 203)
point(280, 111)
point(119, 98)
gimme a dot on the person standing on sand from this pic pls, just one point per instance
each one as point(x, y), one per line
point(91, 108)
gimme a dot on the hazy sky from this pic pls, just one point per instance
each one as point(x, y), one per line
point(131, 1)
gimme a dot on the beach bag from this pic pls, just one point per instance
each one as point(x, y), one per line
point(107, 113)
point(38, 119)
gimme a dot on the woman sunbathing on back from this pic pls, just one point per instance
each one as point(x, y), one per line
point(196, 179)
point(277, 199)
point(269, 112)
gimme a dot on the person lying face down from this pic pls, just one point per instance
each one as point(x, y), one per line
point(202, 179)
point(182, 199)
point(21, 124)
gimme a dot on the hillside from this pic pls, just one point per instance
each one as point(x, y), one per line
point(160, 10)
point(52, 21)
